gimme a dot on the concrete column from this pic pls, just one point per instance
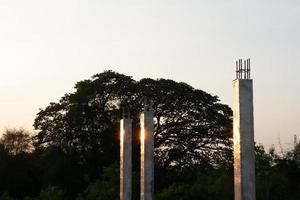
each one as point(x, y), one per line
point(147, 156)
point(125, 159)
point(243, 137)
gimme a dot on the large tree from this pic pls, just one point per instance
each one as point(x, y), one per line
point(191, 126)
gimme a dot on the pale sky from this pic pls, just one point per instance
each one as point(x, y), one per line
point(46, 46)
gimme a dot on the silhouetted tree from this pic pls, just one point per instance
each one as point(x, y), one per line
point(190, 125)
point(16, 141)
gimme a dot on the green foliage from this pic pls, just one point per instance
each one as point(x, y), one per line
point(216, 185)
point(51, 193)
point(277, 177)
point(30, 198)
point(6, 196)
point(18, 175)
point(105, 189)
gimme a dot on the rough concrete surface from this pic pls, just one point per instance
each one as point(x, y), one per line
point(243, 135)
point(125, 159)
point(147, 156)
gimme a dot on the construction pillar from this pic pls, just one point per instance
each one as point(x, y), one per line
point(125, 159)
point(243, 133)
point(147, 155)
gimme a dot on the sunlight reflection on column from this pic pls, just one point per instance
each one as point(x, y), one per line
point(142, 138)
point(126, 159)
point(121, 159)
point(147, 156)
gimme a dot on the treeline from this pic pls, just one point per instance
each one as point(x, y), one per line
point(74, 151)
point(49, 173)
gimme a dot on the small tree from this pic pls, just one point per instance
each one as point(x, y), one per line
point(296, 154)
point(16, 141)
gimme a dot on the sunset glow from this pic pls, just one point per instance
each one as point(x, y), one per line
point(48, 46)
point(121, 143)
point(121, 134)
point(142, 136)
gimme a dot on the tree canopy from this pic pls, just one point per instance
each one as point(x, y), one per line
point(191, 125)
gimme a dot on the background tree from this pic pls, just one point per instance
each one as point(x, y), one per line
point(16, 141)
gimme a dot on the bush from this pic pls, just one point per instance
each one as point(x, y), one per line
point(52, 193)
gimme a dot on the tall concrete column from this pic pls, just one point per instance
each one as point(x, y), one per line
point(243, 133)
point(125, 159)
point(147, 155)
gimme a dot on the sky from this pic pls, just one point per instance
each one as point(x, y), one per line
point(47, 46)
